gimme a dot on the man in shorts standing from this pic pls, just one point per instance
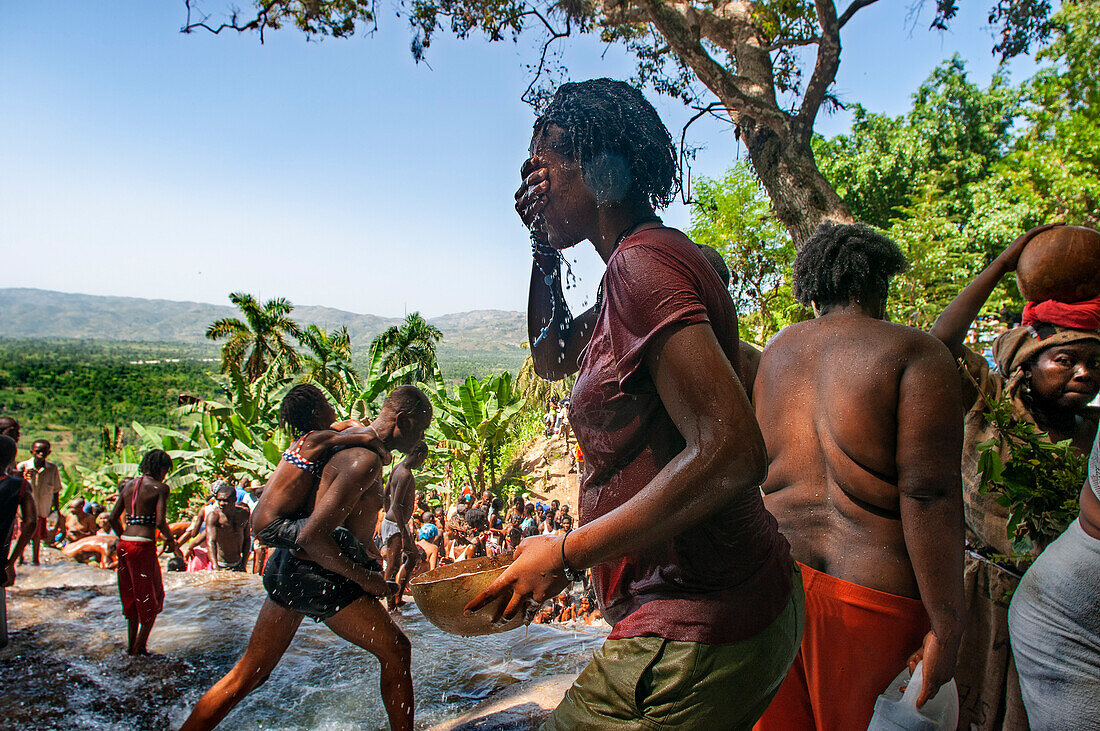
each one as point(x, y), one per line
point(45, 481)
point(397, 540)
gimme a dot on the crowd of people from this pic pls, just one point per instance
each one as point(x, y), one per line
point(772, 535)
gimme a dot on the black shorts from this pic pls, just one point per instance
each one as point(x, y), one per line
point(312, 590)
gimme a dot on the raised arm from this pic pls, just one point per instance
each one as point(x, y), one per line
point(162, 522)
point(723, 456)
point(929, 449)
point(556, 352)
point(352, 436)
point(342, 484)
point(955, 320)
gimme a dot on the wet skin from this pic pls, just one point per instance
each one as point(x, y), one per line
point(227, 534)
point(724, 452)
point(101, 548)
point(863, 424)
point(350, 494)
point(145, 495)
point(78, 524)
point(290, 490)
point(401, 499)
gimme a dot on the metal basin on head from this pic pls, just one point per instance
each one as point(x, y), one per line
point(441, 595)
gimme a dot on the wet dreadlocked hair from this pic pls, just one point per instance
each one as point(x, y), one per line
point(615, 135)
point(304, 409)
point(846, 264)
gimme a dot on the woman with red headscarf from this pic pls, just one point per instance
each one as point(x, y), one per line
point(1048, 368)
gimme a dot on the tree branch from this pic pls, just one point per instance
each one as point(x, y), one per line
point(825, 68)
point(740, 95)
point(554, 35)
point(854, 8)
point(685, 187)
point(259, 23)
point(792, 43)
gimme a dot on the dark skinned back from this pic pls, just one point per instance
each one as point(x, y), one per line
point(151, 498)
point(855, 412)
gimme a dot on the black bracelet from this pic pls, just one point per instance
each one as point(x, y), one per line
point(570, 573)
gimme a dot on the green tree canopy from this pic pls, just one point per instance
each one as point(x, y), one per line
point(327, 361)
point(733, 215)
point(765, 66)
point(410, 343)
point(264, 336)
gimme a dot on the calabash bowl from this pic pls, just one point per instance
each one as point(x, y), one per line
point(441, 595)
point(1060, 264)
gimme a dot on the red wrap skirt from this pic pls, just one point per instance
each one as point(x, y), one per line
point(139, 581)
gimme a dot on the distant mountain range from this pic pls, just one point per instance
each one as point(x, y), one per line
point(483, 335)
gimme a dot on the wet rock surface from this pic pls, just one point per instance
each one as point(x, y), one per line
point(66, 666)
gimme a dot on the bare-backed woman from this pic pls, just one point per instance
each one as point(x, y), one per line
point(144, 502)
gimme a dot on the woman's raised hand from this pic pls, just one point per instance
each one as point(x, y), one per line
point(531, 195)
point(1010, 257)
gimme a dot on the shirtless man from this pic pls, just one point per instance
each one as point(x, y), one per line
point(101, 549)
point(340, 583)
point(396, 537)
point(862, 422)
point(78, 524)
point(227, 533)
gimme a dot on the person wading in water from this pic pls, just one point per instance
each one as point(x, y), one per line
point(144, 500)
point(688, 566)
point(333, 574)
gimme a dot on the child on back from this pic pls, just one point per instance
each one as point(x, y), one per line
point(287, 497)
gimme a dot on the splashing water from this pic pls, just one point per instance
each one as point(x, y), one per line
point(65, 666)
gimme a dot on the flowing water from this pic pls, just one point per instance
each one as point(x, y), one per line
point(66, 666)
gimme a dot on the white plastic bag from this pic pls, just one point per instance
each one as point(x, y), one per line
point(896, 710)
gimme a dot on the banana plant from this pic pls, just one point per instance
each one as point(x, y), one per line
point(475, 421)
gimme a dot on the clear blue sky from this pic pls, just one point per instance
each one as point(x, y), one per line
point(140, 161)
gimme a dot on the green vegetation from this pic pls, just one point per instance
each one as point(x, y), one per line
point(953, 181)
point(413, 342)
point(734, 217)
point(262, 338)
point(1039, 485)
point(767, 66)
point(73, 392)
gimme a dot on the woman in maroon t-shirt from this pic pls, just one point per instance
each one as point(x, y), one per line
point(688, 566)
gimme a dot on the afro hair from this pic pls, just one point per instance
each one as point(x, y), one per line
point(845, 264)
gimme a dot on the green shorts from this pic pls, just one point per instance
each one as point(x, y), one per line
point(650, 682)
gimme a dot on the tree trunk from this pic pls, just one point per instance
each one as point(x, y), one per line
point(800, 194)
point(492, 467)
